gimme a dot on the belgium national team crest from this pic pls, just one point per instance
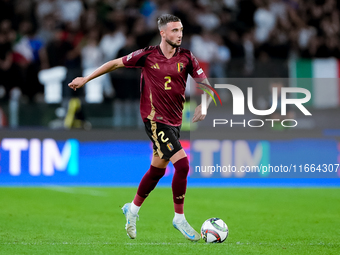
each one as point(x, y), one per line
point(170, 146)
point(180, 67)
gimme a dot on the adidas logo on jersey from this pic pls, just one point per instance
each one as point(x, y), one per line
point(155, 66)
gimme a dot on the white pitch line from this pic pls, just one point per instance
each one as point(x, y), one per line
point(81, 191)
point(188, 243)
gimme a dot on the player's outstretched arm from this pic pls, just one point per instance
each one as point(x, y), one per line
point(105, 68)
point(198, 116)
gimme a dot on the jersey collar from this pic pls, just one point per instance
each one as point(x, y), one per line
point(178, 49)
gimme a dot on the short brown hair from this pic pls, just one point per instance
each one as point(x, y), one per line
point(165, 19)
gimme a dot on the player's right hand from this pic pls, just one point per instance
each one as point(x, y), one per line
point(198, 116)
point(77, 83)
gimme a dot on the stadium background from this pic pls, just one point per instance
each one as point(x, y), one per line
point(53, 140)
point(45, 44)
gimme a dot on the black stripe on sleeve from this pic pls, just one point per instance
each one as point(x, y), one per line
point(141, 61)
point(190, 67)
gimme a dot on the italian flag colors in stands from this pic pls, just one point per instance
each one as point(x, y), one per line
point(321, 78)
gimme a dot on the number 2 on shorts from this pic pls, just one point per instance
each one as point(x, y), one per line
point(162, 137)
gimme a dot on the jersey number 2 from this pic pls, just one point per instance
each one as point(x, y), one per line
point(168, 78)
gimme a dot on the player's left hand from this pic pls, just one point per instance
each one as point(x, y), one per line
point(198, 116)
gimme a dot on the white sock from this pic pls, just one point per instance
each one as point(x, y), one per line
point(179, 217)
point(134, 208)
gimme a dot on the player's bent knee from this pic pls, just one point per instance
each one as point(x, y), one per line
point(159, 163)
point(178, 156)
point(157, 173)
point(182, 167)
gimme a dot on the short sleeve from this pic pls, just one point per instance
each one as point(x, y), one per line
point(136, 59)
point(197, 71)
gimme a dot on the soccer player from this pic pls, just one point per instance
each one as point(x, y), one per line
point(163, 80)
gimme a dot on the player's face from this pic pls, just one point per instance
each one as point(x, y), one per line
point(173, 33)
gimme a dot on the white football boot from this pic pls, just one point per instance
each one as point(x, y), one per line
point(131, 218)
point(188, 232)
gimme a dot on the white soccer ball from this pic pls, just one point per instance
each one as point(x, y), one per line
point(214, 230)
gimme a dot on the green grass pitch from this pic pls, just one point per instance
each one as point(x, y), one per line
point(68, 220)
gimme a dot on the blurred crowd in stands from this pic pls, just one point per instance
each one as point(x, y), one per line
point(231, 38)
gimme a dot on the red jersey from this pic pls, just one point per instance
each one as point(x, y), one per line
point(163, 82)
